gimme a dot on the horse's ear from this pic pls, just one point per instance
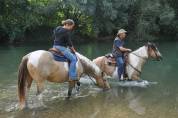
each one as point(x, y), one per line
point(148, 44)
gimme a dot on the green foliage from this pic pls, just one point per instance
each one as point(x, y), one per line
point(145, 20)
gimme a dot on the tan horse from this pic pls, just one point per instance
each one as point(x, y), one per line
point(40, 66)
point(136, 60)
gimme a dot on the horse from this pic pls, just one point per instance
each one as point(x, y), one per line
point(40, 66)
point(134, 63)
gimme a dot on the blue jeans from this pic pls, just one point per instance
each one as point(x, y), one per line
point(120, 65)
point(73, 60)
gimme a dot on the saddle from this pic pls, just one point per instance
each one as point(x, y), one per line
point(111, 60)
point(58, 55)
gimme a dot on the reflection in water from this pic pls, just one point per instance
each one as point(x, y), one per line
point(134, 103)
point(155, 101)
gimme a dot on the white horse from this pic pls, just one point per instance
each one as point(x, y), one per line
point(134, 64)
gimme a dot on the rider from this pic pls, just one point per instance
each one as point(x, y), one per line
point(63, 43)
point(118, 51)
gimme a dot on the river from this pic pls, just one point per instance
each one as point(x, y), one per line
point(159, 100)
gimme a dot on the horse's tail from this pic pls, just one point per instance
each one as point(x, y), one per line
point(22, 80)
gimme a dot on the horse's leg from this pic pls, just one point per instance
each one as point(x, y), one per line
point(29, 83)
point(78, 86)
point(40, 89)
point(70, 88)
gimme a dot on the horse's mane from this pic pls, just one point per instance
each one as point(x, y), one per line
point(141, 51)
point(89, 67)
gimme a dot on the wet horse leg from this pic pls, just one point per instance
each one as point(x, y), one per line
point(40, 89)
point(29, 83)
point(70, 88)
point(78, 86)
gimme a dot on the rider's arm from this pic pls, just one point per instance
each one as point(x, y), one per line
point(69, 42)
point(119, 45)
point(124, 49)
point(73, 49)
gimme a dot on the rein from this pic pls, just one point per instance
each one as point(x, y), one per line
point(155, 54)
point(133, 66)
point(92, 80)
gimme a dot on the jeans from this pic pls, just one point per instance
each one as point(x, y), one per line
point(120, 65)
point(73, 60)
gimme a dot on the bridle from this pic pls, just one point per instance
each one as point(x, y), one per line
point(154, 50)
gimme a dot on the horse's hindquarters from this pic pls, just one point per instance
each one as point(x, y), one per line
point(42, 66)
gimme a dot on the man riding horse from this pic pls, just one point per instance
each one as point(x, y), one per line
point(63, 43)
point(118, 52)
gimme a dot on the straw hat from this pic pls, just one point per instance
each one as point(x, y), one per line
point(121, 31)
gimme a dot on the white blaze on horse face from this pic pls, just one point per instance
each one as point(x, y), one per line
point(35, 56)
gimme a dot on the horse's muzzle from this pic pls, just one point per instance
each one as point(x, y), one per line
point(160, 58)
point(107, 86)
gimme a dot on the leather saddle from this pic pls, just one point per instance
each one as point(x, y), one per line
point(111, 60)
point(58, 55)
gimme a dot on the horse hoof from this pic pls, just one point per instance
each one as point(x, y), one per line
point(106, 89)
point(23, 107)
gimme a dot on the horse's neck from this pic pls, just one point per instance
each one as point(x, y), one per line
point(137, 59)
point(89, 67)
point(141, 52)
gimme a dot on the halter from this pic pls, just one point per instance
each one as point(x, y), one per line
point(140, 58)
point(155, 52)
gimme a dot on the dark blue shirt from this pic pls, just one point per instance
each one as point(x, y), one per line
point(116, 45)
point(62, 37)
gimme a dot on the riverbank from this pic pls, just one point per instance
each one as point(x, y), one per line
point(45, 34)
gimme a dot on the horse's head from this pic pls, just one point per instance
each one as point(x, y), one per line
point(153, 51)
point(102, 82)
point(91, 69)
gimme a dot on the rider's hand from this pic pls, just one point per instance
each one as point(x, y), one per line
point(129, 50)
point(73, 50)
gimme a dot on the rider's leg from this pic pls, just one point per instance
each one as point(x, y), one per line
point(120, 64)
point(125, 58)
point(73, 60)
point(72, 68)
